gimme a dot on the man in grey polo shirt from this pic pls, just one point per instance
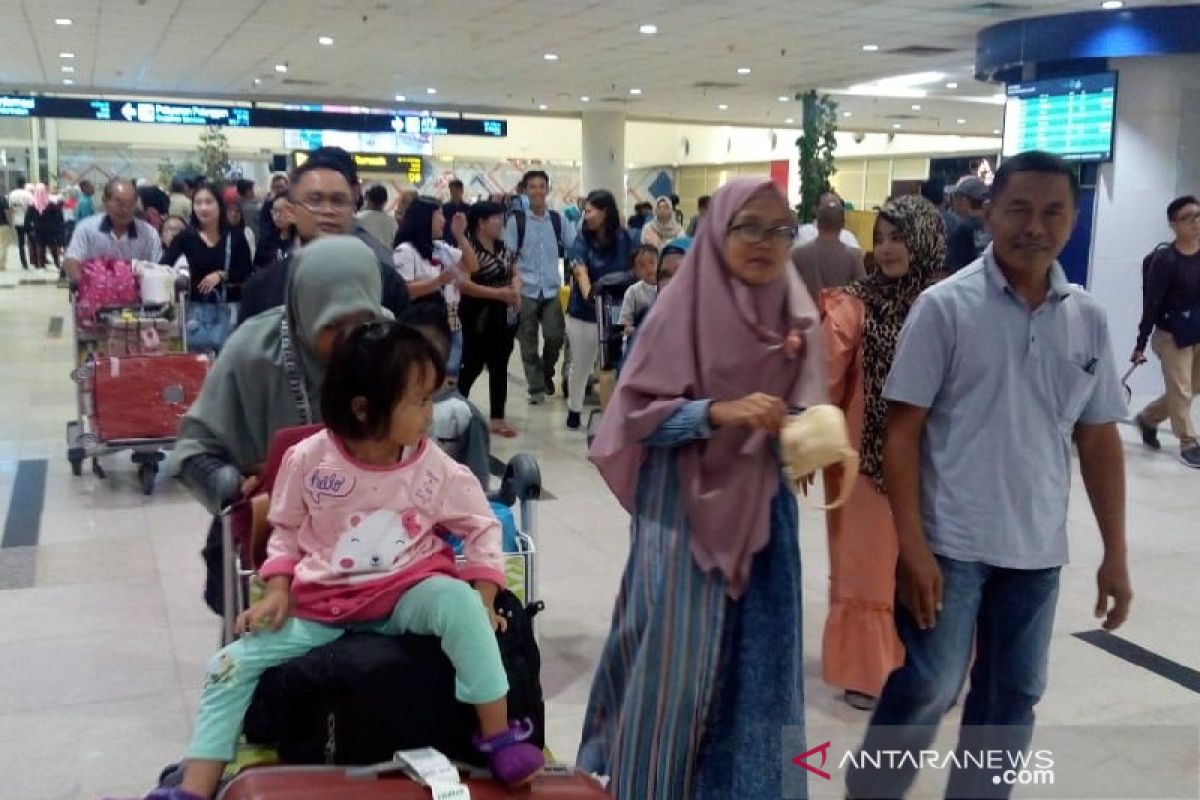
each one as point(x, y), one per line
point(114, 234)
point(997, 371)
point(546, 238)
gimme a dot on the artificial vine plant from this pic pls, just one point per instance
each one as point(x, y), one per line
point(816, 145)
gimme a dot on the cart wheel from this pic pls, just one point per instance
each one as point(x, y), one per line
point(98, 470)
point(147, 474)
point(76, 459)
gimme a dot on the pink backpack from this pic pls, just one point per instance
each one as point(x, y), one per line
point(104, 283)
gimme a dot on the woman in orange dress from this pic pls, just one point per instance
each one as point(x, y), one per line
point(861, 325)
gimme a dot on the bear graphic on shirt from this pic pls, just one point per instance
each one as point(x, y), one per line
point(375, 542)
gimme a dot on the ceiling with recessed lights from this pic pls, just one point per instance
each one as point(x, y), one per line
point(903, 65)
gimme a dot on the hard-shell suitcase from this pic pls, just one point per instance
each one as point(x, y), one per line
point(326, 783)
point(144, 397)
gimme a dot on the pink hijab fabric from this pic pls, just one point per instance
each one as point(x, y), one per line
point(41, 197)
point(712, 337)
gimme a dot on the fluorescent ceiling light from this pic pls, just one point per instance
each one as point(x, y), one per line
point(912, 79)
point(783, 98)
point(68, 69)
point(743, 70)
point(847, 113)
point(870, 48)
point(723, 107)
point(401, 98)
point(648, 30)
point(585, 99)
point(1112, 5)
point(789, 121)
point(542, 107)
point(68, 82)
point(550, 56)
point(896, 125)
point(66, 55)
point(62, 21)
point(951, 85)
point(325, 40)
point(281, 67)
point(961, 121)
point(898, 85)
point(996, 131)
point(916, 106)
point(431, 90)
point(635, 91)
point(257, 81)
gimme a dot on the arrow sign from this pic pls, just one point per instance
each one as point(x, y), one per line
point(128, 112)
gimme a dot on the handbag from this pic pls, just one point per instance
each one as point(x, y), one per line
point(156, 282)
point(1184, 325)
point(209, 324)
point(814, 439)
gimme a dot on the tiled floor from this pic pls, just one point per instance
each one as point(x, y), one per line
point(101, 652)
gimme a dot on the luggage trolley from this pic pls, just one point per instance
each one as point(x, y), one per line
point(608, 293)
point(134, 381)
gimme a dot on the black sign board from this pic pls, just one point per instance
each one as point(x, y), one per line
point(412, 167)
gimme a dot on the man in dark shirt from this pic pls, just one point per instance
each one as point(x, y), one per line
point(455, 206)
point(969, 238)
point(1171, 287)
point(323, 195)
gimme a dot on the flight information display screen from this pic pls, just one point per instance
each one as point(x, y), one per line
point(1071, 117)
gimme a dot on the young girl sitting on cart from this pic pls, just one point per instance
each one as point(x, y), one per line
point(354, 513)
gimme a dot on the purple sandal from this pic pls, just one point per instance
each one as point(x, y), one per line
point(512, 759)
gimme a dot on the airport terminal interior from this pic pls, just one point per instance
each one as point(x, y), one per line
point(855, 116)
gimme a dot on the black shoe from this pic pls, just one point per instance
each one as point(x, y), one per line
point(573, 421)
point(1149, 433)
point(859, 701)
point(1189, 456)
point(550, 385)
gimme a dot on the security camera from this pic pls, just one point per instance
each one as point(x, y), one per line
point(859, 137)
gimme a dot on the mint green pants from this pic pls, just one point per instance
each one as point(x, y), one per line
point(442, 606)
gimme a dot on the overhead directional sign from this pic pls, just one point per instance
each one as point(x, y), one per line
point(412, 167)
point(159, 113)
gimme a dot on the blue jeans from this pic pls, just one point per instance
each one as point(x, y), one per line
point(1008, 615)
point(454, 361)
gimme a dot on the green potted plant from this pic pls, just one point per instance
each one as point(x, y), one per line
point(816, 145)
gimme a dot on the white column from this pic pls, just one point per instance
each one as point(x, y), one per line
point(604, 152)
point(1156, 159)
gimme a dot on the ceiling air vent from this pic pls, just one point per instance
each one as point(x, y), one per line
point(706, 85)
point(617, 100)
point(300, 82)
point(921, 51)
point(990, 8)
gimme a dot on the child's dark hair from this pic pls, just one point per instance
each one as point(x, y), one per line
point(639, 250)
point(374, 361)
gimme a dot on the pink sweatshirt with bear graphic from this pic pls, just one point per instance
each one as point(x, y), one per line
point(354, 537)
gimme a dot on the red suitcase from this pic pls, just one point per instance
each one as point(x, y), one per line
point(144, 397)
point(341, 783)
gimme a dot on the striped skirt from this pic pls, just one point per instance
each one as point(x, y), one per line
point(693, 689)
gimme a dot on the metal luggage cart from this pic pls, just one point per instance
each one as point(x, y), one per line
point(120, 328)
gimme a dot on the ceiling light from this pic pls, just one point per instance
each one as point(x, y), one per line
point(951, 85)
point(723, 107)
point(896, 125)
point(257, 81)
point(325, 40)
point(542, 107)
point(743, 70)
point(648, 30)
point(401, 98)
point(635, 91)
point(62, 21)
point(550, 56)
point(1112, 5)
point(847, 113)
point(585, 99)
point(996, 131)
point(870, 48)
point(961, 121)
point(783, 98)
point(912, 79)
point(431, 90)
point(281, 67)
point(916, 106)
point(68, 69)
point(68, 82)
point(789, 121)
point(66, 55)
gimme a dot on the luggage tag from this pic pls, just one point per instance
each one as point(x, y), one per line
point(429, 767)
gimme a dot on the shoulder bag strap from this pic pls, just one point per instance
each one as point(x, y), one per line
point(294, 378)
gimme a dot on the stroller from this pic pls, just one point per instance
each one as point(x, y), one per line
point(608, 293)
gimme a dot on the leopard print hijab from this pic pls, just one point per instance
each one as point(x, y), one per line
point(888, 302)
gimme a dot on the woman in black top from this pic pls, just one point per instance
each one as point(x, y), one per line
point(279, 237)
point(216, 254)
point(487, 310)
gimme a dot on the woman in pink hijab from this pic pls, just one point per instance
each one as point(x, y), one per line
point(702, 668)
